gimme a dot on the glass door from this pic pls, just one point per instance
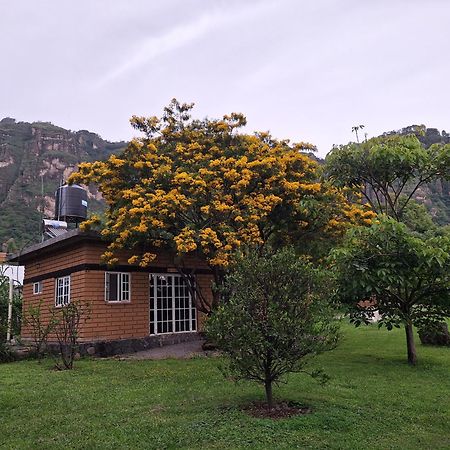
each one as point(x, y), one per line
point(171, 307)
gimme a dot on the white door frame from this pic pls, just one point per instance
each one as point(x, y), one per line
point(192, 309)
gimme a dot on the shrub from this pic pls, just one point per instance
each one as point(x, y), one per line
point(40, 328)
point(435, 335)
point(67, 323)
point(5, 354)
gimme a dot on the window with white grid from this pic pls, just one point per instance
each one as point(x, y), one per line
point(171, 307)
point(117, 287)
point(62, 291)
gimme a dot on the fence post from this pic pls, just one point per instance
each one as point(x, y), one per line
point(10, 305)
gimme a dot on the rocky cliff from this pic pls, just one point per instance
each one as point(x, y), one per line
point(34, 159)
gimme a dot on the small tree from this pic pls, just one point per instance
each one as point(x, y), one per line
point(67, 326)
point(272, 321)
point(388, 170)
point(40, 327)
point(402, 274)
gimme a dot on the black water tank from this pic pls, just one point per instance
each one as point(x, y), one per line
point(71, 203)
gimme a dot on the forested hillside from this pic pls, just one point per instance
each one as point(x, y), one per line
point(34, 159)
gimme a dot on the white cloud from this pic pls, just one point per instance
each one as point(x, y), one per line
point(182, 35)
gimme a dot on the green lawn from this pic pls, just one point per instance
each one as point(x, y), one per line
point(373, 401)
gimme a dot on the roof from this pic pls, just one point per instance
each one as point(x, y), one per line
point(65, 240)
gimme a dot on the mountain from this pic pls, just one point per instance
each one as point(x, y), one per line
point(34, 159)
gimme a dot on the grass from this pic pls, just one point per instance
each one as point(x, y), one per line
point(373, 401)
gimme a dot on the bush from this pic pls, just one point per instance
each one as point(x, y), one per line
point(5, 354)
point(436, 335)
point(40, 329)
point(67, 321)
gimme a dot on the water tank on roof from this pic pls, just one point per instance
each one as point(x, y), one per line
point(71, 203)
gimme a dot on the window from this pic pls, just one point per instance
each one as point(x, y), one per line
point(62, 295)
point(117, 287)
point(37, 287)
point(171, 307)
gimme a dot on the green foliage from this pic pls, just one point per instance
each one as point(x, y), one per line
point(5, 353)
point(385, 168)
point(65, 323)
point(437, 335)
point(47, 126)
point(40, 329)
point(19, 226)
point(272, 320)
point(403, 275)
point(416, 217)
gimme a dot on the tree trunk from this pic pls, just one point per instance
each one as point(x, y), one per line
point(269, 397)
point(412, 356)
point(218, 283)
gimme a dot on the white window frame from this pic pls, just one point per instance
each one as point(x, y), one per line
point(62, 296)
point(192, 309)
point(120, 290)
point(38, 287)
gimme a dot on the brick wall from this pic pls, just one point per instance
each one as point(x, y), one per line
point(117, 320)
point(107, 321)
point(47, 298)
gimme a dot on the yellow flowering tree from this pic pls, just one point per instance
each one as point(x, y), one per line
point(200, 187)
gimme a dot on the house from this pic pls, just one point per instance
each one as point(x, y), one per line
point(131, 308)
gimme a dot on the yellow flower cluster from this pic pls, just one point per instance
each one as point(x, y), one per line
point(133, 259)
point(91, 223)
point(184, 241)
point(109, 258)
point(209, 237)
point(146, 259)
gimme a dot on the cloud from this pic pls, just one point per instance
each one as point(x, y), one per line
point(153, 47)
point(182, 35)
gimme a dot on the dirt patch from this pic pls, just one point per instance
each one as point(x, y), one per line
point(183, 350)
point(281, 410)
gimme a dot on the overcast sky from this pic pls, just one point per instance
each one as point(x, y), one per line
point(305, 70)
